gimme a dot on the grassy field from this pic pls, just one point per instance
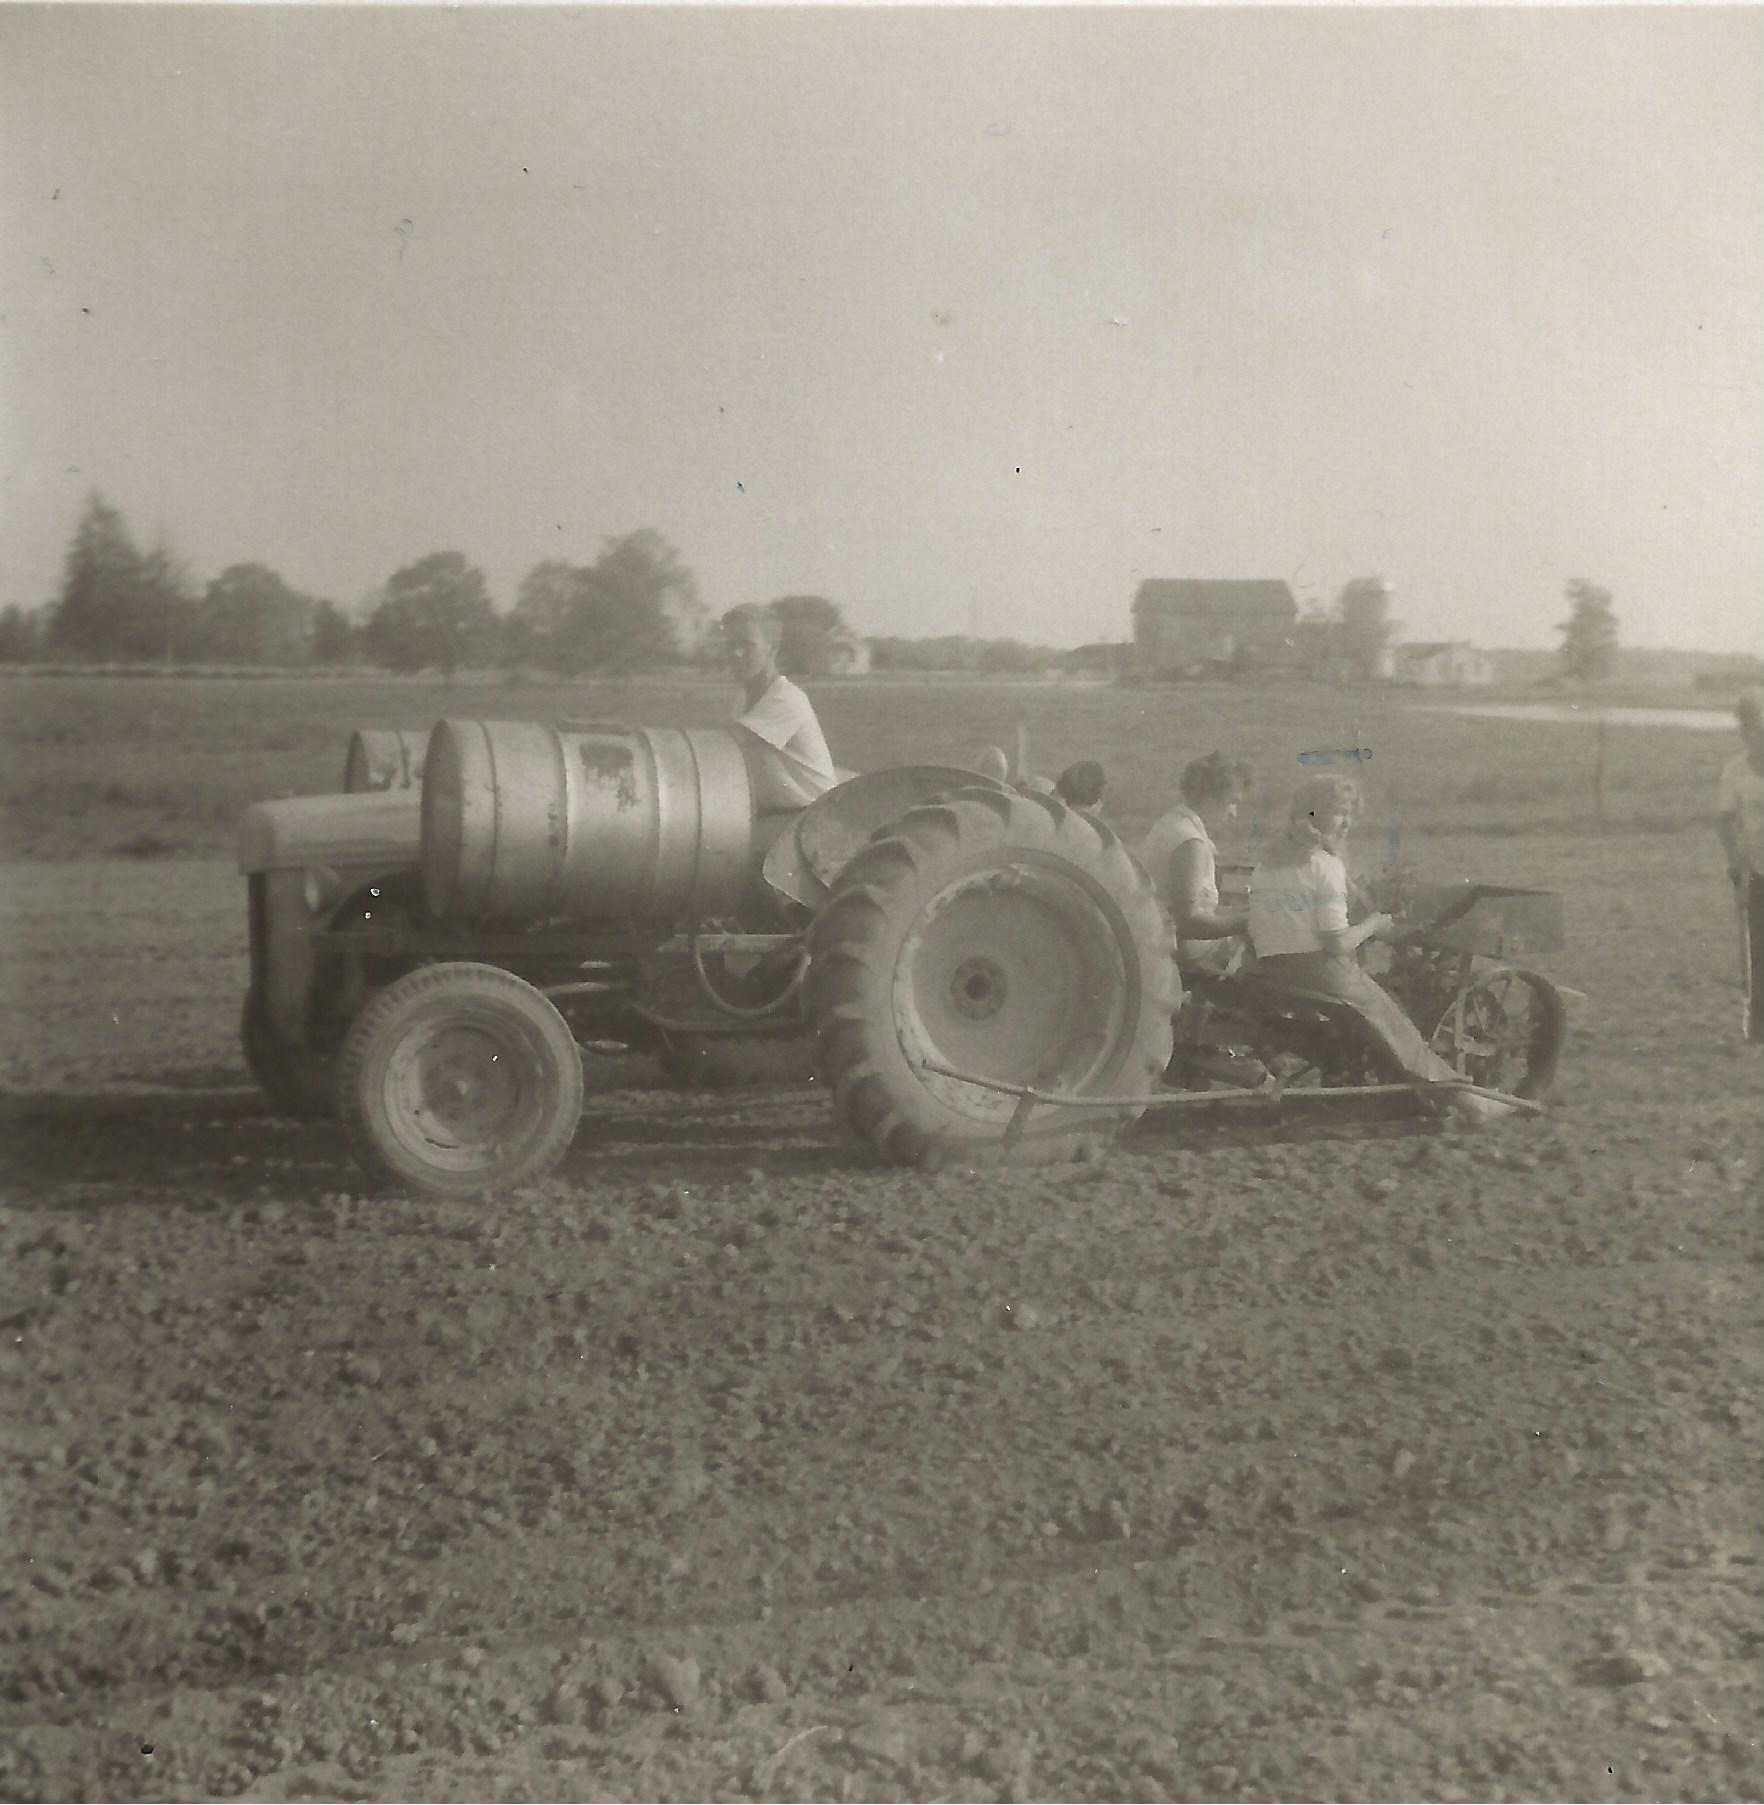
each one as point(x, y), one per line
point(101, 766)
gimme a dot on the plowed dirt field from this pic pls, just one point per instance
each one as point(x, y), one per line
point(1325, 1461)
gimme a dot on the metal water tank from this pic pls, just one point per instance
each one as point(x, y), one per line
point(523, 822)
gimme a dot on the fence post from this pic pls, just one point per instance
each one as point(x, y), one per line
point(1020, 769)
point(1599, 774)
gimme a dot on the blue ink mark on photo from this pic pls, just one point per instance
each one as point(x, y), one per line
point(1349, 755)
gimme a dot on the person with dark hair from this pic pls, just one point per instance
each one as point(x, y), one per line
point(1183, 862)
point(1082, 785)
point(789, 762)
point(1739, 813)
point(1298, 923)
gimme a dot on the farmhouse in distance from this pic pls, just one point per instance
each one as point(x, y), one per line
point(1442, 664)
point(1184, 625)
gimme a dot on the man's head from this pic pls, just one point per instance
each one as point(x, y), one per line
point(750, 642)
point(1749, 712)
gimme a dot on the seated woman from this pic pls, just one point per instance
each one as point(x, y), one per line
point(1082, 785)
point(1298, 923)
point(1183, 862)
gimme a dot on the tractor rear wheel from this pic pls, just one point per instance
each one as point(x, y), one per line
point(458, 1079)
point(1002, 936)
point(297, 1080)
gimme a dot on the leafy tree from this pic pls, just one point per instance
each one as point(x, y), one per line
point(1010, 657)
point(333, 635)
point(811, 629)
point(433, 614)
point(634, 608)
point(19, 633)
point(551, 622)
point(1364, 627)
point(547, 597)
point(889, 652)
point(164, 613)
point(1589, 634)
point(250, 616)
point(641, 607)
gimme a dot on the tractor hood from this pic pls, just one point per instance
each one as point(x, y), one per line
point(378, 827)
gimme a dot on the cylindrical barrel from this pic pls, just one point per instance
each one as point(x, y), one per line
point(383, 758)
point(523, 822)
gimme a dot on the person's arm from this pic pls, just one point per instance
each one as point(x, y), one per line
point(1191, 877)
point(1340, 943)
point(1727, 825)
point(1338, 939)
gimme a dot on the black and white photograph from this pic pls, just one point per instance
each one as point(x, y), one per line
point(881, 902)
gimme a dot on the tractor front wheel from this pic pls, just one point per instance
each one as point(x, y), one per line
point(459, 1079)
point(297, 1080)
point(1003, 937)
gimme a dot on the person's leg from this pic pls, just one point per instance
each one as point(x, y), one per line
point(1384, 1015)
point(1752, 909)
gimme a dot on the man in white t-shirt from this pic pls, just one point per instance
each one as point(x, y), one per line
point(1740, 822)
point(788, 758)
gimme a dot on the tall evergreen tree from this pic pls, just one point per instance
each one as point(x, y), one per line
point(1589, 634)
point(98, 579)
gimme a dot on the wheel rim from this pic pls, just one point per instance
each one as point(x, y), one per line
point(1490, 1033)
point(1017, 974)
point(459, 1093)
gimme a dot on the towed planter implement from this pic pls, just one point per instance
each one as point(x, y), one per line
point(1272, 1093)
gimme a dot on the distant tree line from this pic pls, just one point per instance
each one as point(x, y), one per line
point(635, 607)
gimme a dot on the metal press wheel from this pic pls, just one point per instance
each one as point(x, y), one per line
point(1505, 1029)
point(998, 935)
point(460, 1079)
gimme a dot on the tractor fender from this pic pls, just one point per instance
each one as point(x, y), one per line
point(806, 859)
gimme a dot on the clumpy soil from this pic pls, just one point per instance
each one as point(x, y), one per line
point(1314, 1459)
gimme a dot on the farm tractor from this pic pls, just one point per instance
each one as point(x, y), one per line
point(987, 973)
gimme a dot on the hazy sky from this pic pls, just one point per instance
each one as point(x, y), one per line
point(965, 319)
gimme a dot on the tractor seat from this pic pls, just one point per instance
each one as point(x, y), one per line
point(1250, 993)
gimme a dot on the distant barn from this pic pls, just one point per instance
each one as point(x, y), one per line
point(1185, 624)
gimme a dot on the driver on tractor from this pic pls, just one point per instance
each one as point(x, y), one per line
point(787, 752)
